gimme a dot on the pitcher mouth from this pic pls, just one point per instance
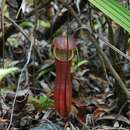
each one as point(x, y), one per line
point(63, 56)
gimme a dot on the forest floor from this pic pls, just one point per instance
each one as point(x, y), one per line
point(27, 89)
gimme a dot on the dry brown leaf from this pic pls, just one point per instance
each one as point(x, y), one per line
point(3, 120)
point(98, 112)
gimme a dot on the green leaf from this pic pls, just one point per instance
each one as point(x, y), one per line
point(6, 12)
point(41, 103)
point(13, 41)
point(26, 24)
point(45, 102)
point(44, 24)
point(44, 70)
point(128, 40)
point(115, 11)
point(5, 72)
point(58, 32)
point(80, 63)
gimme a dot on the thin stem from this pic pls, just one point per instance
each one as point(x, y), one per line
point(18, 27)
point(106, 60)
point(3, 30)
point(23, 69)
point(18, 85)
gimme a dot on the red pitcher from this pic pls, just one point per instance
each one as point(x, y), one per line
point(63, 50)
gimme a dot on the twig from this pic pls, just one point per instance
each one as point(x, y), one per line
point(109, 65)
point(20, 8)
point(18, 27)
point(3, 30)
point(106, 60)
point(109, 45)
point(48, 32)
point(18, 85)
point(120, 110)
point(38, 8)
point(23, 69)
point(114, 48)
point(22, 31)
